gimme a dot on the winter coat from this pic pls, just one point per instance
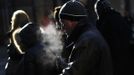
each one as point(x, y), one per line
point(37, 62)
point(14, 60)
point(117, 34)
point(14, 56)
point(88, 51)
point(39, 59)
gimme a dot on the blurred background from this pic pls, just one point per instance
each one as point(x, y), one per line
point(42, 9)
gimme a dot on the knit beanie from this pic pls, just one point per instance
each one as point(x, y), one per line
point(72, 10)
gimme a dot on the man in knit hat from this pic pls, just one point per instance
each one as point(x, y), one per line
point(85, 50)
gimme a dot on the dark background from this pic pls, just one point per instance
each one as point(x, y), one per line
point(39, 9)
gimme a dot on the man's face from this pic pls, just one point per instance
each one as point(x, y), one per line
point(68, 25)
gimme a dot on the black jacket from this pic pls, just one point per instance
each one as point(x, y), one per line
point(88, 51)
point(37, 62)
point(117, 34)
point(38, 59)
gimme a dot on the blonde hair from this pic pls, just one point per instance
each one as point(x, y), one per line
point(56, 11)
point(18, 17)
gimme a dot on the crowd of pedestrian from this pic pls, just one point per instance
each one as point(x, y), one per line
point(78, 41)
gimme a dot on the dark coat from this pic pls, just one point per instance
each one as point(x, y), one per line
point(37, 62)
point(13, 62)
point(38, 59)
point(88, 50)
point(117, 34)
point(14, 55)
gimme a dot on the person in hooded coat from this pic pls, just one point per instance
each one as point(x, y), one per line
point(117, 34)
point(15, 51)
point(85, 50)
point(40, 58)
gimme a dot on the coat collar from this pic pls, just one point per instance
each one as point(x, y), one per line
point(82, 27)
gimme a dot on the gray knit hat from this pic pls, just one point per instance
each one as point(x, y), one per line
point(72, 10)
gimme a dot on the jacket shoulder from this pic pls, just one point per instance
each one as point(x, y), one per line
point(92, 37)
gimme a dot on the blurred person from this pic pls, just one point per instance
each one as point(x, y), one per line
point(85, 50)
point(43, 47)
point(15, 49)
point(56, 17)
point(89, 5)
point(59, 26)
point(130, 21)
point(116, 31)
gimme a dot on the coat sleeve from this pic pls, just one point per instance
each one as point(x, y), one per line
point(29, 65)
point(92, 57)
point(87, 60)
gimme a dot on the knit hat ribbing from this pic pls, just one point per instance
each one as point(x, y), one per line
point(72, 10)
